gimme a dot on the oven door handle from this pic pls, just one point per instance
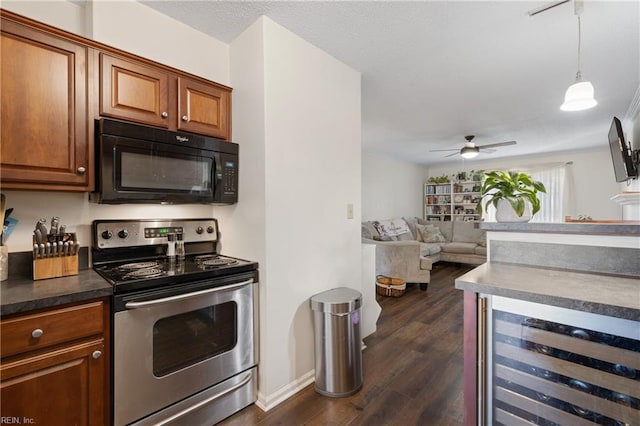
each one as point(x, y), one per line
point(147, 303)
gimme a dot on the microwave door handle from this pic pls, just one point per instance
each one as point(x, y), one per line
point(148, 303)
point(217, 172)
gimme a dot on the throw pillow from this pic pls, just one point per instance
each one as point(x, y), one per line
point(407, 236)
point(430, 234)
point(411, 223)
point(385, 228)
point(400, 226)
point(391, 228)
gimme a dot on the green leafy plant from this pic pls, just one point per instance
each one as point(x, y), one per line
point(476, 175)
point(515, 187)
point(439, 179)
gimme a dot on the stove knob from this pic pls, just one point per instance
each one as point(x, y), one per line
point(123, 233)
point(210, 229)
point(199, 230)
point(107, 235)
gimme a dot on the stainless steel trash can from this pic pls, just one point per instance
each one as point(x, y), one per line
point(338, 352)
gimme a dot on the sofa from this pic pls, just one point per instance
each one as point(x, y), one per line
point(407, 248)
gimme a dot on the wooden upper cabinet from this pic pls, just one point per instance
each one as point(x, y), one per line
point(45, 142)
point(53, 84)
point(203, 109)
point(135, 92)
point(140, 92)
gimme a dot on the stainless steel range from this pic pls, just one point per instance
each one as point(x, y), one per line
point(184, 328)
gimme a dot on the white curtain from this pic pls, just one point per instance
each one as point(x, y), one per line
point(557, 202)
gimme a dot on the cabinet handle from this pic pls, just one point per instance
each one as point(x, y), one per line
point(185, 118)
point(96, 354)
point(80, 170)
point(37, 333)
point(164, 114)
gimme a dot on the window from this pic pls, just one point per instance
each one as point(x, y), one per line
point(556, 203)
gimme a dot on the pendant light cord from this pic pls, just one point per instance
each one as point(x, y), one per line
point(579, 75)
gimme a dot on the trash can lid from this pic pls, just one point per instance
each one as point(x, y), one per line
point(340, 300)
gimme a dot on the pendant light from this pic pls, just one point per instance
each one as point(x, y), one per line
point(579, 95)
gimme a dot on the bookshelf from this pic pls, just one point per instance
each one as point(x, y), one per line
point(451, 201)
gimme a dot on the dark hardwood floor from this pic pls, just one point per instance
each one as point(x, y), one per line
point(412, 367)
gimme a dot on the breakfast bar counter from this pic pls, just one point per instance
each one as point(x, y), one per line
point(596, 293)
point(553, 314)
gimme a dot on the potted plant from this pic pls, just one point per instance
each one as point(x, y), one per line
point(513, 194)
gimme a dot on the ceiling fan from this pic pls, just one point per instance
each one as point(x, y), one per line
point(471, 150)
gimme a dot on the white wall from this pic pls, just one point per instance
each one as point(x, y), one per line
point(61, 14)
point(391, 188)
point(307, 169)
point(592, 170)
point(161, 39)
point(118, 24)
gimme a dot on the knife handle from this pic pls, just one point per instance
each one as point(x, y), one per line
point(36, 252)
point(38, 235)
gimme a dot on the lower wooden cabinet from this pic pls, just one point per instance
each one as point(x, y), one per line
point(63, 384)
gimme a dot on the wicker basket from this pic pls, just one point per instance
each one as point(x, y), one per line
point(388, 286)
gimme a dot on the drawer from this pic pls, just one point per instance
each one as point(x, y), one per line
point(35, 331)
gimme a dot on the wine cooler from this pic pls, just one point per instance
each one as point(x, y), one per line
point(554, 366)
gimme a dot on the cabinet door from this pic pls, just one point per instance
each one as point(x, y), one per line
point(134, 92)
point(44, 133)
point(204, 109)
point(61, 387)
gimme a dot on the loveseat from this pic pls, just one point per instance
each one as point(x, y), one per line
point(407, 248)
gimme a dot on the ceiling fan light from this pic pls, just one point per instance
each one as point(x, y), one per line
point(579, 96)
point(469, 152)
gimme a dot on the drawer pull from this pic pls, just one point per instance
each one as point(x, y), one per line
point(96, 354)
point(37, 333)
point(164, 114)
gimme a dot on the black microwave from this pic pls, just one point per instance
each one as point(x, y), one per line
point(143, 164)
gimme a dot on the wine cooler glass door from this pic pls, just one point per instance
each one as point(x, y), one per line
point(555, 366)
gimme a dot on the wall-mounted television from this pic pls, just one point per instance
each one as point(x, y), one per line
point(624, 164)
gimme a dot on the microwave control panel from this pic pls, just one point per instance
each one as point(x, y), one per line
point(227, 192)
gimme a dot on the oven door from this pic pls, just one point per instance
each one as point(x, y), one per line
point(133, 170)
point(169, 346)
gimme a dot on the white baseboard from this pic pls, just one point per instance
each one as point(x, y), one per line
point(266, 403)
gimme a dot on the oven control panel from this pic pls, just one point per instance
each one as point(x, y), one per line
point(129, 233)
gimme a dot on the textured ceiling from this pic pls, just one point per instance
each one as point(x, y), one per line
point(433, 72)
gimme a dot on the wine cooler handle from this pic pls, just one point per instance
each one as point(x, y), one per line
point(482, 360)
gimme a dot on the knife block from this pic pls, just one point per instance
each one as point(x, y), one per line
point(55, 266)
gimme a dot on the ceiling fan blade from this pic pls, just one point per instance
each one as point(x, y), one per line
point(491, 145)
point(440, 150)
point(487, 150)
point(451, 155)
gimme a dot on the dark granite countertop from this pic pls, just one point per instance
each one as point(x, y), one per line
point(18, 295)
point(599, 294)
point(592, 228)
